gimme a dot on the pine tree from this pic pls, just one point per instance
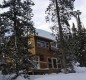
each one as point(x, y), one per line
point(17, 22)
point(78, 42)
point(81, 42)
point(71, 44)
point(59, 12)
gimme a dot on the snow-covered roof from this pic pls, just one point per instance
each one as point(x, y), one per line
point(45, 34)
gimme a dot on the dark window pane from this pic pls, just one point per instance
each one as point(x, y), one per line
point(49, 63)
point(54, 63)
point(59, 63)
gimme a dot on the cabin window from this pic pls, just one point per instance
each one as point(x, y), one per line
point(47, 44)
point(43, 44)
point(54, 63)
point(38, 43)
point(49, 62)
point(59, 63)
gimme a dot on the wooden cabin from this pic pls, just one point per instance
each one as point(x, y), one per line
point(46, 55)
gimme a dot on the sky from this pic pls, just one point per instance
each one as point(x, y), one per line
point(39, 13)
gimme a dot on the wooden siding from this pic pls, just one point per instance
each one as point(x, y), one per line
point(43, 54)
point(32, 40)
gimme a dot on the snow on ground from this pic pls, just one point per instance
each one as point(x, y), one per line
point(60, 76)
point(79, 69)
point(71, 76)
point(79, 75)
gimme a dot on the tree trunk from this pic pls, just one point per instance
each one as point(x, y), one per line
point(15, 36)
point(61, 39)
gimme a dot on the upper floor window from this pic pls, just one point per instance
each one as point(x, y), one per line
point(41, 43)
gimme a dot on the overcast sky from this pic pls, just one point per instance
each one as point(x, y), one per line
point(39, 13)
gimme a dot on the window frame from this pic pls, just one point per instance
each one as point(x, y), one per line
point(59, 63)
point(42, 43)
point(53, 63)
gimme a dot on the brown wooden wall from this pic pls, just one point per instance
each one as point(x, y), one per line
point(32, 40)
point(43, 53)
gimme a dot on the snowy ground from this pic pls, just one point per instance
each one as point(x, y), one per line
point(60, 76)
point(79, 75)
point(72, 76)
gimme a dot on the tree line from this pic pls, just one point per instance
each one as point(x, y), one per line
point(16, 27)
point(71, 41)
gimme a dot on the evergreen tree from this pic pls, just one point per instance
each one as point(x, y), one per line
point(59, 12)
point(71, 44)
point(79, 37)
point(78, 42)
point(17, 22)
point(81, 49)
point(81, 42)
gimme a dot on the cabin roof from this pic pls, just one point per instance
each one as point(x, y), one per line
point(45, 34)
